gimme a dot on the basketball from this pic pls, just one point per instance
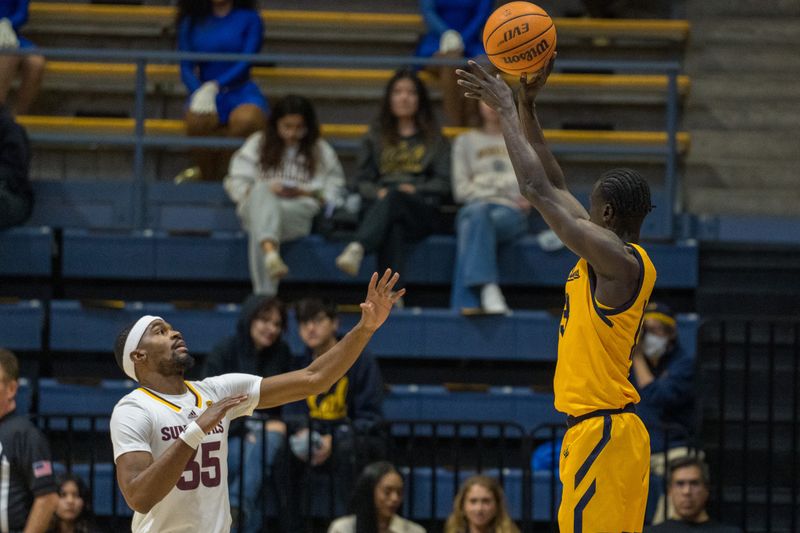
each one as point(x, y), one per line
point(519, 37)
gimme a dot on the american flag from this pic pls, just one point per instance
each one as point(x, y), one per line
point(42, 468)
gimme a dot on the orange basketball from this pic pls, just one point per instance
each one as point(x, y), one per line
point(519, 37)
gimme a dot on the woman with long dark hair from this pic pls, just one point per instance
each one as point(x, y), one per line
point(280, 179)
point(74, 511)
point(223, 99)
point(403, 176)
point(376, 499)
point(480, 507)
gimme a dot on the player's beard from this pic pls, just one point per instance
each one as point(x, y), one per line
point(178, 363)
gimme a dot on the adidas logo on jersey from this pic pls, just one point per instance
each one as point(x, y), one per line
point(192, 415)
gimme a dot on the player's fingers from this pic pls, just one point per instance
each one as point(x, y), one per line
point(387, 274)
point(475, 96)
point(469, 85)
point(480, 72)
point(392, 282)
point(397, 295)
point(468, 76)
point(373, 284)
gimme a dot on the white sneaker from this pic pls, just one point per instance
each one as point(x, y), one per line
point(276, 268)
point(492, 300)
point(349, 261)
point(549, 241)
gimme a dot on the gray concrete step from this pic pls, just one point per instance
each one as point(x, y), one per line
point(743, 86)
point(743, 144)
point(742, 57)
point(740, 173)
point(741, 201)
point(746, 30)
point(743, 8)
point(752, 115)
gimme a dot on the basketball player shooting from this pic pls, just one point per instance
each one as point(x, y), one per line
point(605, 455)
point(170, 436)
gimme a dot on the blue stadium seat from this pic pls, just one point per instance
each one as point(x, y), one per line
point(95, 204)
point(99, 326)
point(163, 256)
point(24, 396)
point(26, 251)
point(21, 325)
point(79, 401)
point(420, 482)
point(103, 487)
point(517, 405)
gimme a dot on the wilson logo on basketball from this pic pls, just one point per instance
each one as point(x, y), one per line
point(534, 51)
point(514, 32)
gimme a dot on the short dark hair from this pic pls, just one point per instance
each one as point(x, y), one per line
point(627, 192)
point(689, 461)
point(308, 308)
point(119, 345)
point(10, 365)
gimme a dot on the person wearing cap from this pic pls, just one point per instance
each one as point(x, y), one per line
point(170, 436)
point(663, 373)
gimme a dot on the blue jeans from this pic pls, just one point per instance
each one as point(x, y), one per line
point(255, 498)
point(481, 227)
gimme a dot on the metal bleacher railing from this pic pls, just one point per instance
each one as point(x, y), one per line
point(434, 458)
point(140, 140)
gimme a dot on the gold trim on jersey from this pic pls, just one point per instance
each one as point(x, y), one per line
point(198, 400)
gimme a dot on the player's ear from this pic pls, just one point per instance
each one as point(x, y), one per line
point(138, 355)
point(608, 213)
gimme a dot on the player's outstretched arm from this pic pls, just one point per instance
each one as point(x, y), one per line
point(144, 482)
point(600, 247)
point(329, 367)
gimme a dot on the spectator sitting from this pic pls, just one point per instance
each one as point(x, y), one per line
point(13, 15)
point(29, 489)
point(16, 195)
point(356, 398)
point(74, 511)
point(688, 491)
point(279, 180)
point(256, 348)
point(223, 99)
point(455, 29)
point(494, 213)
point(480, 507)
point(403, 174)
point(663, 373)
point(377, 496)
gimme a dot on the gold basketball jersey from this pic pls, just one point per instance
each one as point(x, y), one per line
point(596, 342)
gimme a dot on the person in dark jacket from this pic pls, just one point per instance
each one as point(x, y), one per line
point(403, 176)
point(663, 373)
point(329, 429)
point(16, 195)
point(256, 348)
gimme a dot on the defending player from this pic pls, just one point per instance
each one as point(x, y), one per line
point(605, 458)
point(170, 436)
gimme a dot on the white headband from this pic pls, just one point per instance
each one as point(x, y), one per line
point(132, 342)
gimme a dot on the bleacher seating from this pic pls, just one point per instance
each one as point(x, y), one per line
point(415, 332)
point(161, 256)
point(21, 324)
point(26, 251)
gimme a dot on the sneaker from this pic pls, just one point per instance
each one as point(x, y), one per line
point(549, 241)
point(349, 261)
point(276, 268)
point(188, 174)
point(492, 300)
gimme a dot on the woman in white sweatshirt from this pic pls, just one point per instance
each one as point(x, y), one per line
point(280, 179)
point(494, 213)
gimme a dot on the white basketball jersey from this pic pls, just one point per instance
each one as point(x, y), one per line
point(145, 420)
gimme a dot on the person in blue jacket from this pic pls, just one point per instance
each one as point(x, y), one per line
point(662, 370)
point(14, 15)
point(337, 432)
point(455, 29)
point(223, 99)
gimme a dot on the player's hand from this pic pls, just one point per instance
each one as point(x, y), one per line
point(529, 88)
point(380, 299)
point(481, 85)
point(322, 453)
point(217, 411)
